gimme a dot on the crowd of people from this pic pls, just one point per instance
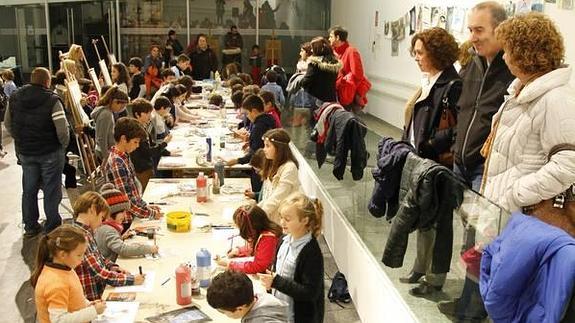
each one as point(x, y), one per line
point(502, 122)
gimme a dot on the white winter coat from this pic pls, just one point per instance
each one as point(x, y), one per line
point(530, 125)
point(274, 191)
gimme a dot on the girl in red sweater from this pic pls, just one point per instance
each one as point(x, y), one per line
point(261, 236)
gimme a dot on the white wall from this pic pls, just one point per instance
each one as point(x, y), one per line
point(395, 79)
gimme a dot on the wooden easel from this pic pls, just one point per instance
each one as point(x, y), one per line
point(102, 63)
point(273, 50)
point(85, 143)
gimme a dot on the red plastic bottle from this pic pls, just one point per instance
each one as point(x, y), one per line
point(183, 285)
point(201, 188)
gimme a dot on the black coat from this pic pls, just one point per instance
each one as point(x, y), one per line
point(428, 195)
point(430, 143)
point(203, 62)
point(346, 134)
point(482, 95)
point(319, 79)
point(391, 157)
point(307, 286)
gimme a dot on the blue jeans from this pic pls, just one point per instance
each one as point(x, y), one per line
point(470, 306)
point(472, 177)
point(42, 172)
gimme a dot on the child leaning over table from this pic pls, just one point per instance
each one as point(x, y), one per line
point(120, 170)
point(109, 235)
point(232, 293)
point(144, 158)
point(58, 292)
point(298, 274)
point(261, 236)
point(95, 271)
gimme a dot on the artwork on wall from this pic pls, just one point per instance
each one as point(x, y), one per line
point(522, 6)
point(394, 47)
point(387, 30)
point(565, 4)
point(412, 20)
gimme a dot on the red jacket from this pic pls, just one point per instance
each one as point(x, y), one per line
point(264, 255)
point(351, 80)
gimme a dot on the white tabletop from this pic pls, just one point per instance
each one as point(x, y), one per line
point(189, 142)
point(177, 248)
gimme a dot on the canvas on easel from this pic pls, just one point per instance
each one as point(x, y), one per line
point(273, 51)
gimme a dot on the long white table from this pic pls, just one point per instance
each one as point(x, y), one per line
point(177, 248)
point(189, 141)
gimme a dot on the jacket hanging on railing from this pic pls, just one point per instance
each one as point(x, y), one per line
point(391, 155)
point(428, 195)
point(346, 134)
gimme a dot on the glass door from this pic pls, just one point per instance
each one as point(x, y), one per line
point(80, 23)
point(23, 36)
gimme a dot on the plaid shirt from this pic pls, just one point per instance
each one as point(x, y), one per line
point(95, 271)
point(120, 170)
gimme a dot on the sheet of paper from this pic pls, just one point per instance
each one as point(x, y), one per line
point(118, 312)
point(146, 287)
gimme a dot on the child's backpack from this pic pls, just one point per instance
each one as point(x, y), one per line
point(338, 291)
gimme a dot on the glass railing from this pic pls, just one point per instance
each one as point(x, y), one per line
point(475, 223)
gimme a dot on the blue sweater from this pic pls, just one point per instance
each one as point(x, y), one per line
point(528, 272)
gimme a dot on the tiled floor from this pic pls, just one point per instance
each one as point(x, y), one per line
point(17, 258)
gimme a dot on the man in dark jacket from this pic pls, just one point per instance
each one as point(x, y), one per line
point(203, 59)
point(37, 122)
point(484, 86)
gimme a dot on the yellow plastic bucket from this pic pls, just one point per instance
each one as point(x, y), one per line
point(179, 221)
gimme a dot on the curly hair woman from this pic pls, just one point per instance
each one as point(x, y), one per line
point(435, 51)
point(538, 115)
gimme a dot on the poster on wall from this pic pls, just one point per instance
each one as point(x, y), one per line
point(565, 4)
point(394, 47)
point(425, 15)
point(537, 5)
point(395, 29)
point(522, 6)
point(412, 21)
point(387, 30)
point(438, 17)
point(401, 28)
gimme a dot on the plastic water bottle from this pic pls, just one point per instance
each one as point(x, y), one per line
point(209, 151)
point(183, 285)
point(201, 188)
point(219, 168)
point(204, 262)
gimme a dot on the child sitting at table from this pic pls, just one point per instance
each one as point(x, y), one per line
point(147, 156)
point(298, 274)
point(280, 172)
point(95, 271)
point(257, 163)
point(109, 235)
point(261, 236)
point(57, 289)
point(271, 108)
point(120, 170)
point(253, 105)
point(161, 120)
point(232, 293)
point(216, 101)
